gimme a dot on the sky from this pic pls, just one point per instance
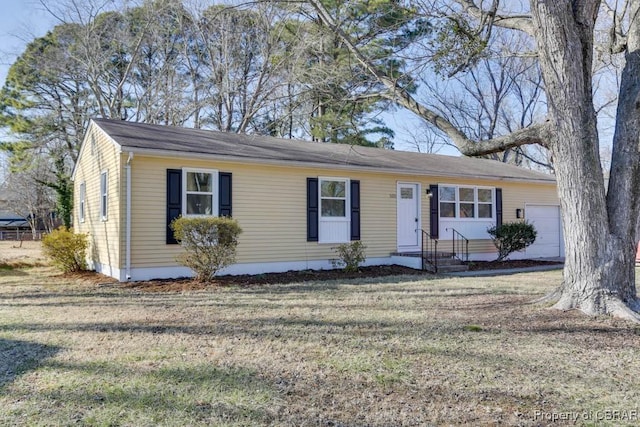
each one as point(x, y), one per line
point(20, 22)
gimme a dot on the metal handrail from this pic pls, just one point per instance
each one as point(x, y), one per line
point(459, 244)
point(429, 251)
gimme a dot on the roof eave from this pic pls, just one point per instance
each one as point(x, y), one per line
point(273, 162)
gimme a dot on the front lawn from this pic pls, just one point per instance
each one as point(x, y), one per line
point(402, 350)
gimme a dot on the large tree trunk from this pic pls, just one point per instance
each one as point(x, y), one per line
point(624, 185)
point(599, 275)
point(599, 229)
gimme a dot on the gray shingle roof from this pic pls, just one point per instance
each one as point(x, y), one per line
point(141, 137)
point(12, 219)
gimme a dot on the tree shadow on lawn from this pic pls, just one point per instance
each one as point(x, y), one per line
point(199, 392)
point(9, 271)
point(18, 357)
point(60, 294)
point(65, 298)
point(306, 328)
point(335, 284)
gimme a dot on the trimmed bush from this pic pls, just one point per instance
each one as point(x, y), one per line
point(351, 255)
point(511, 237)
point(66, 249)
point(209, 243)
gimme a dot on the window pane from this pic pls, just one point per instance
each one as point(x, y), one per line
point(466, 195)
point(333, 189)
point(82, 194)
point(484, 211)
point(199, 204)
point(199, 181)
point(466, 210)
point(406, 193)
point(447, 194)
point(332, 207)
point(447, 210)
point(103, 195)
point(484, 195)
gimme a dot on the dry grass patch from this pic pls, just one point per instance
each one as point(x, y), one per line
point(16, 255)
point(25, 252)
point(395, 351)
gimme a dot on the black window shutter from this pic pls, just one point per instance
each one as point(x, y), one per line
point(498, 207)
point(174, 200)
point(224, 194)
point(355, 210)
point(312, 209)
point(433, 212)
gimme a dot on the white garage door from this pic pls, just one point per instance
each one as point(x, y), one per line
point(546, 220)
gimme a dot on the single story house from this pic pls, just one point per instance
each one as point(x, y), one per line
point(294, 200)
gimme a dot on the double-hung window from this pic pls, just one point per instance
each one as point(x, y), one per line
point(448, 202)
point(83, 192)
point(485, 200)
point(333, 198)
point(104, 181)
point(335, 219)
point(199, 192)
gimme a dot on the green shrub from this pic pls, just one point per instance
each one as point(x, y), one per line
point(209, 243)
point(511, 237)
point(66, 249)
point(351, 255)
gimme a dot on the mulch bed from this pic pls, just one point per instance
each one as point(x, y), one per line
point(188, 284)
point(185, 284)
point(500, 265)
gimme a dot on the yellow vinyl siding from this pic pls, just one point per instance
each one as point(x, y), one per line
point(269, 203)
point(105, 237)
point(475, 246)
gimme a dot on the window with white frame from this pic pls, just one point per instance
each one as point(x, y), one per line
point(335, 218)
point(199, 192)
point(333, 198)
point(83, 192)
point(448, 198)
point(466, 202)
point(104, 181)
point(485, 199)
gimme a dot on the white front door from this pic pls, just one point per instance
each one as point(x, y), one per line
point(408, 216)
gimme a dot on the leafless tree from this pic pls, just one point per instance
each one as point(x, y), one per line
point(500, 94)
point(30, 198)
point(239, 59)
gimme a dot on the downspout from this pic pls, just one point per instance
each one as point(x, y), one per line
point(128, 220)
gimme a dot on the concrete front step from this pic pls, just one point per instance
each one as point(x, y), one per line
point(447, 263)
point(419, 254)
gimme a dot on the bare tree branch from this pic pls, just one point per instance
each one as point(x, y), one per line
point(513, 22)
point(617, 38)
point(537, 134)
